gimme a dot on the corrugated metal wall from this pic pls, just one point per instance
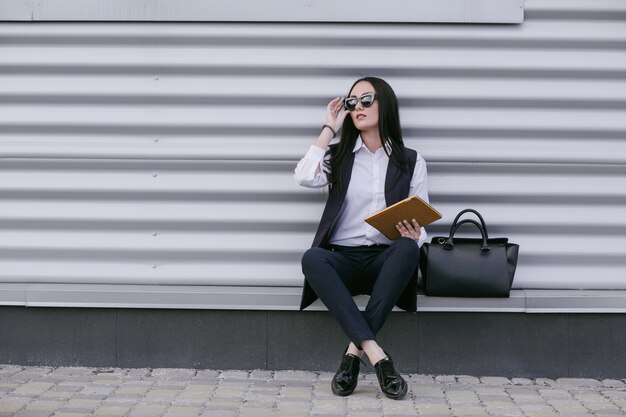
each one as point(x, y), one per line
point(162, 154)
point(406, 11)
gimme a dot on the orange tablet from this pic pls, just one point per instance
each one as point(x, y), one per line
point(409, 208)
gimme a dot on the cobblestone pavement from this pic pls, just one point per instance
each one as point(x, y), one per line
point(75, 392)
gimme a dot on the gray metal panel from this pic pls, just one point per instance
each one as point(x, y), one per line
point(449, 11)
point(162, 154)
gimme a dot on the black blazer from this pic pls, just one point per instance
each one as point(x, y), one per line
point(397, 185)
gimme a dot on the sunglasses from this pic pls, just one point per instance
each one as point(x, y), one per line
point(366, 100)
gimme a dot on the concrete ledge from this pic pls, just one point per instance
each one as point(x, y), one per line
point(516, 303)
point(575, 301)
point(453, 343)
point(288, 299)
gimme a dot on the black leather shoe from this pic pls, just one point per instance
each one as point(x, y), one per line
point(391, 383)
point(345, 380)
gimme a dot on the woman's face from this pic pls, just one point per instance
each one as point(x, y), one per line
point(364, 118)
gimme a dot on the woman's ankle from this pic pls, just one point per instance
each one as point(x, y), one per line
point(353, 350)
point(374, 352)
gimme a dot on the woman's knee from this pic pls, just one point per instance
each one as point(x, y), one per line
point(406, 245)
point(404, 250)
point(312, 257)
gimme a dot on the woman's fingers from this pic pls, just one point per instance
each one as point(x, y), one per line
point(335, 105)
point(331, 108)
point(341, 115)
point(334, 102)
point(404, 231)
point(407, 229)
point(335, 113)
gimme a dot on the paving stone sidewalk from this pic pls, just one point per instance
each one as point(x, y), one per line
point(76, 392)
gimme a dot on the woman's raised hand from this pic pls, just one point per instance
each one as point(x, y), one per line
point(334, 118)
point(335, 113)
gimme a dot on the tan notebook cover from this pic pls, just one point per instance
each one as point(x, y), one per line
point(409, 208)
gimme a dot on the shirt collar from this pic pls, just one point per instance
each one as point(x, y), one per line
point(359, 144)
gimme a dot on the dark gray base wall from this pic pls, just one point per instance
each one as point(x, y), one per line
point(505, 344)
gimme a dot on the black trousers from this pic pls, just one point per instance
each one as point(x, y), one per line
point(339, 273)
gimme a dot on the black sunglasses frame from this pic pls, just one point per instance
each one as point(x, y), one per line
point(355, 101)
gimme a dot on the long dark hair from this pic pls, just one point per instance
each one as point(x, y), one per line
point(388, 127)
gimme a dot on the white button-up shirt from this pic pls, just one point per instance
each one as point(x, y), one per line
point(365, 195)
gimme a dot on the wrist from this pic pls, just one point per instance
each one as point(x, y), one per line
point(330, 129)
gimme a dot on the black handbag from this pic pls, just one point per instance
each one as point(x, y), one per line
point(468, 267)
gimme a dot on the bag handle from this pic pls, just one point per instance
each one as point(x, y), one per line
point(449, 245)
point(469, 210)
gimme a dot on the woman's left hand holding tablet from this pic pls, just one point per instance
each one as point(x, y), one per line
point(411, 230)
